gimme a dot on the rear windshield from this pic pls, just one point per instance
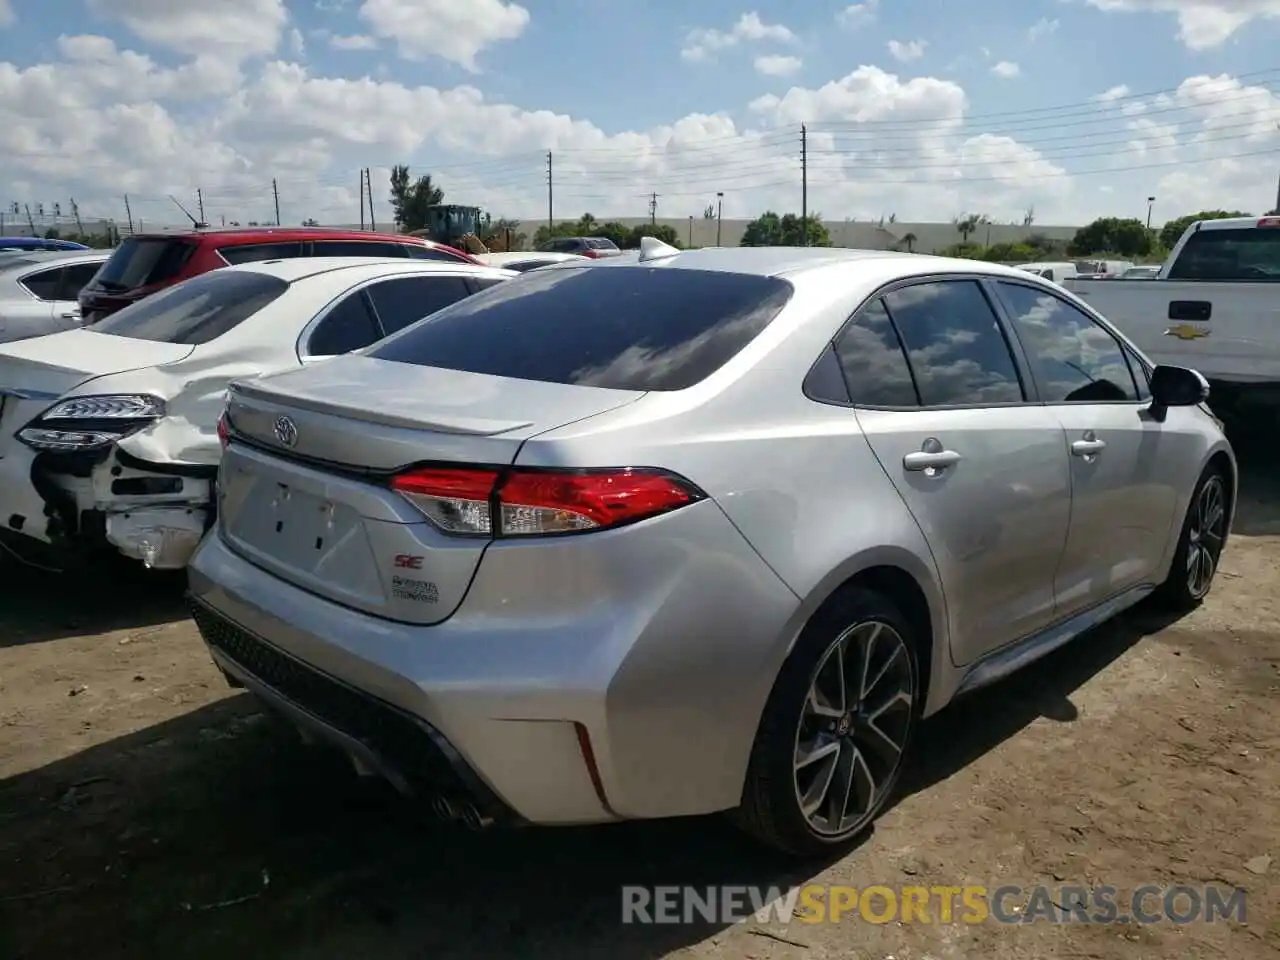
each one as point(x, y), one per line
point(1251, 253)
point(142, 262)
point(628, 328)
point(600, 243)
point(195, 312)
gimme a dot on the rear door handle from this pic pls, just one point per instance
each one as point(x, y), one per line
point(1088, 447)
point(927, 460)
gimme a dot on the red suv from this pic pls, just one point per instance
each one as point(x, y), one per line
point(148, 262)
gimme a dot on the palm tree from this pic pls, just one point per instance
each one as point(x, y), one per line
point(910, 240)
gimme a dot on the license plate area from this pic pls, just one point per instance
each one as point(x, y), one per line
point(297, 527)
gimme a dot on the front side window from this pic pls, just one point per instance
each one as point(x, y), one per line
point(873, 362)
point(1073, 358)
point(356, 248)
point(956, 348)
point(407, 300)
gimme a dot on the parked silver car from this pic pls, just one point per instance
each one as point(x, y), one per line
point(698, 531)
point(38, 291)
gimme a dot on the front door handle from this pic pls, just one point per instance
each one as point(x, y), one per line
point(926, 460)
point(1088, 446)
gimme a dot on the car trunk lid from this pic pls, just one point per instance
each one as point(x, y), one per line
point(308, 497)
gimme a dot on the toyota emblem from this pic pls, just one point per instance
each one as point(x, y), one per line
point(286, 431)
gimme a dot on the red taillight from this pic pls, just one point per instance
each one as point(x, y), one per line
point(522, 503)
point(1269, 222)
point(224, 432)
point(590, 254)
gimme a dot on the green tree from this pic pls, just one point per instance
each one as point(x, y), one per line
point(664, 232)
point(968, 223)
point(1172, 231)
point(410, 198)
point(770, 230)
point(1128, 237)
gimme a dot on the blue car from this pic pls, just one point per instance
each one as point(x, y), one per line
point(38, 243)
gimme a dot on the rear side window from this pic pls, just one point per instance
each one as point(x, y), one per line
point(957, 351)
point(355, 248)
point(74, 279)
point(873, 362)
point(599, 243)
point(348, 326)
point(632, 328)
point(140, 262)
point(44, 284)
point(254, 252)
point(195, 312)
point(1226, 255)
point(409, 299)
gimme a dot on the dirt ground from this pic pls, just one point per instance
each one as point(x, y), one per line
point(146, 810)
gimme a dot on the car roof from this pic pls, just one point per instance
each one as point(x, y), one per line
point(292, 269)
point(51, 258)
point(792, 262)
point(226, 236)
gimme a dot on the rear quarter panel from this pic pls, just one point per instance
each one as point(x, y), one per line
point(795, 477)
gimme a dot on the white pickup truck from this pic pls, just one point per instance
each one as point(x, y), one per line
point(1214, 307)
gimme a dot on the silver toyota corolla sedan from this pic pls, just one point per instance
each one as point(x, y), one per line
point(698, 531)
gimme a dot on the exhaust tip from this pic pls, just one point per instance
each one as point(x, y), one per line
point(443, 809)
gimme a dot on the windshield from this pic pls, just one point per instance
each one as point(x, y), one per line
point(195, 312)
point(140, 262)
point(1238, 254)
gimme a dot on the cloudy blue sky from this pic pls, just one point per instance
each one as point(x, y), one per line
point(919, 108)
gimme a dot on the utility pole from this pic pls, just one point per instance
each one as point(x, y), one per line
point(804, 184)
point(551, 205)
point(75, 210)
point(30, 221)
point(128, 213)
point(368, 182)
point(719, 213)
point(200, 203)
point(1150, 203)
point(653, 209)
point(1278, 196)
point(275, 189)
point(690, 230)
point(362, 198)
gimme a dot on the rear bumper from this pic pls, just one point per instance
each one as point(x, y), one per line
point(582, 690)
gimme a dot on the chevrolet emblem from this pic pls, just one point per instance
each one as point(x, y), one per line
point(1185, 331)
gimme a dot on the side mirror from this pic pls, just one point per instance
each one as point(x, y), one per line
point(1176, 387)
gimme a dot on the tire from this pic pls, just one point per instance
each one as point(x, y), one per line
point(795, 726)
point(1201, 537)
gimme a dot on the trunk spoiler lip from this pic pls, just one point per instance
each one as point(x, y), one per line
point(465, 426)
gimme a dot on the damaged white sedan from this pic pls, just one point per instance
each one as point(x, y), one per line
point(109, 433)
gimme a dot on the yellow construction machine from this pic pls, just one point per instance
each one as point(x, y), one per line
point(459, 226)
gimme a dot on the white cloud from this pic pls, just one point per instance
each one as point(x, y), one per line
point(1202, 24)
point(858, 14)
point(357, 41)
point(96, 121)
point(297, 45)
point(703, 43)
point(777, 65)
point(1006, 70)
point(453, 31)
point(232, 29)
point(1042, 28)
point(1113, 93)
point(908, 51)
